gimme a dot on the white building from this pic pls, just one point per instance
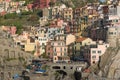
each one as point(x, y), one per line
point(118, 10)
point(42, 42)
point(92, 53)
point(113, 35)
point(97, 52)
point(113, 19)
point(53, 31)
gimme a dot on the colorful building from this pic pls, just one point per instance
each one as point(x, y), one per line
point(68, 14)
point(13, 30)
point(93, 53)
point(28, 45)
point(40, 4)
point(60, 50)
point(49, 50)
point(80, 42)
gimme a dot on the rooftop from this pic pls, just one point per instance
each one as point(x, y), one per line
point(80, 39)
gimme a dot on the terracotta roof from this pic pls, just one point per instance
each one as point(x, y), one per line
point(80, 39)
point(54, 26)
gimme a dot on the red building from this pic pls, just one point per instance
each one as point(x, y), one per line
point(40, 4)
point(49, 50)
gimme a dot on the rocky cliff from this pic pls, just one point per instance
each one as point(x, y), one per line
point(109, 65)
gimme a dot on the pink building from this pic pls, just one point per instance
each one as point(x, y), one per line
point(40, 4)
point(3, 13)
point(60, 50)
point(13, 30)
point(29, 6)
point(59, 22)
point(49, 49)
point(93, 53)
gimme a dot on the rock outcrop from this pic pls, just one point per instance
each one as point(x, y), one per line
point(109, 66)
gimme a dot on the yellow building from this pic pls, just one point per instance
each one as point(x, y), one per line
point(28, 45)
point(68, 14)
point(83, 22)
point(82, 42)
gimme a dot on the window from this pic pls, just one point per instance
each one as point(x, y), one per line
point(62, 44)
point(58, 43)
point(53, 44)
point(49, 48)
point(65, 49)
point(55, 49)
point(55, 54)
point(75, 47)
point(93, 57)
point(58, 31)
point(56, 67)
point(69, 16)
point(64, 67)
point(71, 67)
point(93, 51)
point(80, 43)
point(110, 32)
point(61, 49)
point(116, 20)
point(43, 44)
point(75, 43)
point(32, 40)
point(48, 54)
point(99, 51)
point(65, 54)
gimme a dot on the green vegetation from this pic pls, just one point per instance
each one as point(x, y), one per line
point(27, 1)
point(51, 4)
point(33, 52)
point(20, 20)
point(81, 3)
point(25, 64)
point(75, 3)
point(44, 55)
point(9, 59)
point(56, 75)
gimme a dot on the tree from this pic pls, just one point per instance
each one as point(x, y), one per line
point(33, 18)
point(44, 55)
point(51, 4)
point(40, 13)
point(11, 16)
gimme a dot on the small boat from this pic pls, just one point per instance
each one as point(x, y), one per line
point(39, 71)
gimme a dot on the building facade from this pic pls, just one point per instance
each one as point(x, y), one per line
point(93, 53)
